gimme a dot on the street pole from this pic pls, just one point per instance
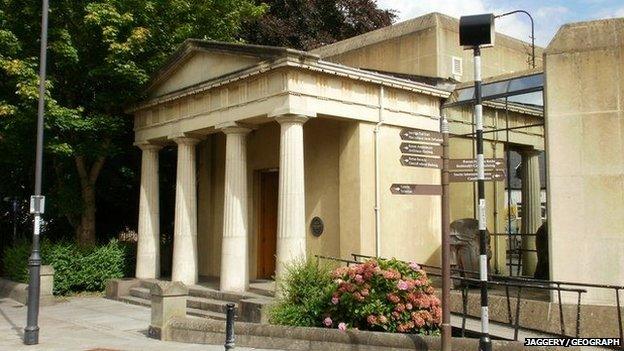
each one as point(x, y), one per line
point(446, 244)
point(14, 241)
point(485, 344)
point(37, 201)
point(532, 31)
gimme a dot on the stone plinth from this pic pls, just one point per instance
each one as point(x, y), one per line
point(168, 301)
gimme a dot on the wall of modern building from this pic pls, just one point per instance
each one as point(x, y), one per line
point(426, 46)
point(584, 67)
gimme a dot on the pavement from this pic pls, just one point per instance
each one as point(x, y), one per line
point(87, 324)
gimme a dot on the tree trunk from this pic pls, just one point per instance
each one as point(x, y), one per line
point(85, 231)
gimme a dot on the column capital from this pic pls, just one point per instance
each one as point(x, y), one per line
point(291, 118)
point(148, 146)
point(183, 139)
point(234, 128)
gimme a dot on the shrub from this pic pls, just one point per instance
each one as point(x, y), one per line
point(15, 262)
point(306, 289)
point(75, 269)
point(384, 295)
point(378, 295)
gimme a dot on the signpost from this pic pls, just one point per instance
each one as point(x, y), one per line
point(467, 176)
point(416, 189)
point(420, 161)
point(425, 136)
point(468, 164)
point(421, 149)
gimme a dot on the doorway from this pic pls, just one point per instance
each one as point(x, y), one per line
point(267, 224)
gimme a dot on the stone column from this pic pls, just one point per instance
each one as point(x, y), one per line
point(184, 266)
point(234, 248)
point(148, 245)
point(531, 208)
point(291, 228)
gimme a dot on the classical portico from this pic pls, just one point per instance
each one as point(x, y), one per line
point(242, 115)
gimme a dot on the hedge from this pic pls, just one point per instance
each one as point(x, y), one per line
point(75, 269)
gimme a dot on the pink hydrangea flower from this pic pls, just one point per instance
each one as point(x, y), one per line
point(328, 322)
point(359, 279)
point(402, 285)
point(371, 319)
point(335, 300)
point(342, 326)
point(414, 266)
point(383, 319)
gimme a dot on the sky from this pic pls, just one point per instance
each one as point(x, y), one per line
point(548, 15)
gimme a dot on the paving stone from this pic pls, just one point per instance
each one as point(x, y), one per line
point(87, 324)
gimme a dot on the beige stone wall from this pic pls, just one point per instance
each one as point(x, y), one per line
point(425, 46)
point(210, 197)
point(410, 224)
point(410, 54)
point(585, 139)
point(357, 189)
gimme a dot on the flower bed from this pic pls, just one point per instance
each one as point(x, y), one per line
point(377, 295)
point(384, 295)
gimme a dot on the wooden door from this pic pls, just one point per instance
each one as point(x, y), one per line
point(267, 231)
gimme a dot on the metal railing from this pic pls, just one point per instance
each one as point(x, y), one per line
point(520, 284)
point(506, 282)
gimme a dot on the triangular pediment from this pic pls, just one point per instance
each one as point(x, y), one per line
point(200, 67)
point(199, 61)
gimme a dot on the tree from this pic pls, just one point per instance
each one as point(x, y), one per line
point(101, 54)
point(307, 24)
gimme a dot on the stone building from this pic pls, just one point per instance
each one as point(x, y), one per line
point(284, 154)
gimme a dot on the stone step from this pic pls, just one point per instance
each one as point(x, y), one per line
point(206, 304)
point(262, 291)
point(135, 300)
point(141, 293)
point(192, 302)
point(205, 314)
point(190, 311)
point(212, 293)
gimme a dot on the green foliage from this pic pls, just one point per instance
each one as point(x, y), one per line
point(308, 24)
point(101, 54)
point(306, 289)
point(15, 262)
point(76, 269)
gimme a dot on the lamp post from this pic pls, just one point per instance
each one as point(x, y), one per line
point(37, 201)
point(446, 243)
point(475, 32)
point(532, 31)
